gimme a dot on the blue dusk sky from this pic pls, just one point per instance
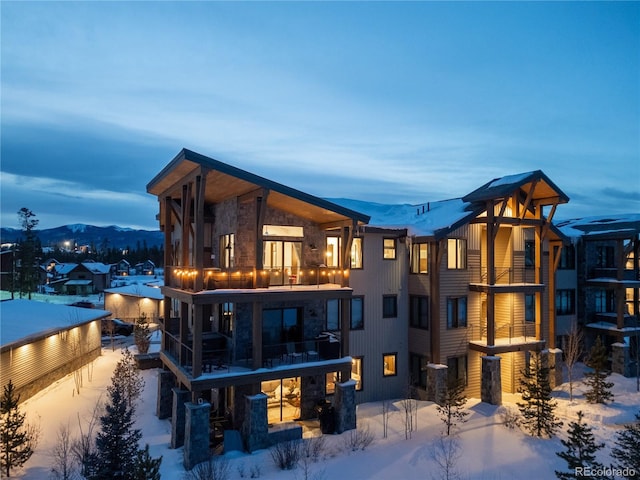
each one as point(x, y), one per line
point(389, 102)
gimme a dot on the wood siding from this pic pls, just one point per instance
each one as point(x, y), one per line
point(36, 365)
point(381, 277)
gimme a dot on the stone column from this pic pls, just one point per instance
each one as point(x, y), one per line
point(437, 382)
point(621, 359)
point(555, 363)
point(196, 441)
point(255, 429)
point(311, 392)
point(180, 397)
point(491, 383)
point(166, 382)
point(344, 403)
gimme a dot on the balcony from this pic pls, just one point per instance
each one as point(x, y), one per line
point(512, 337)
point(219, 358)
point(184, 278)
point(506, 280)
point(628, 275)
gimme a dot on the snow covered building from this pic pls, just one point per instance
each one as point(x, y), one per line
point(131, 302)
point(603, 292)
point(43, 342)
point(475, 288)
point(276, 300)
point(251, 330)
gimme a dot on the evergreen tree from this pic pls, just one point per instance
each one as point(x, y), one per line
point(147, 467)
point(128, 376)
point(580, 452)
point(626, 451)
point(452, 409)
point(27, 253)
point(537, 407)
point(599, 389)
point(116, 446)
point(17, 438)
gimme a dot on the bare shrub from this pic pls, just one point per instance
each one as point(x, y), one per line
point(359, 439)
point(286, 454)
point(446, 453)
point(314, 448)
point(63, 466)
point(216, 468)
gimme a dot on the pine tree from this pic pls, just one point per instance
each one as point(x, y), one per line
point(452, 409)
point(147, 467)
point(17, 438)
point(128, 376)
point(599, 389)
point(116, 445)
point(580, 452)
point(537, 408)
point(28, 269)
point(627, 449)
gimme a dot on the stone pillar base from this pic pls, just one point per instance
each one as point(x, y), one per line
point(437, 375)
point(621, 359)
point(491, 383)
point(345, 406)
point(180, 397)
point(164, 405)
point(555, 364)
point(312, 390)
point(196, 441)
point(255, 429)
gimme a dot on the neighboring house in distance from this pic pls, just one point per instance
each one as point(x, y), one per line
point(605, 289)
point(132, 301)
point(122, 268)
point(80, 278)
point(6, 268)
point(43, 342)
point(251, 331)
point(145, 268)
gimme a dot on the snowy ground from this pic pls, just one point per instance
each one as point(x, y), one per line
point(490, 450)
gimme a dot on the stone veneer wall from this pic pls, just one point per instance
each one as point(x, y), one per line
point(180, 397)
point(312, 391)
point(491, 381)
point(166, 383)
point(255, 429)
point(437, 376)
point(344, 403)
point(196, 441)
point(621, 359)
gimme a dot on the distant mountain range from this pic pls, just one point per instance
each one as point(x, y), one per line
point(80, 234)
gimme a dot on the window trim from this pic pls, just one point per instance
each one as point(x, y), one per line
point(454, 323)
point(412, 269)
point(385, 248)
point(395, 364)
point(361, 298)
point(395, 306)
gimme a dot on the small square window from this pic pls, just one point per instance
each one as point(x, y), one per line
point(389, 306)
point(389, 364)
point(389, 248)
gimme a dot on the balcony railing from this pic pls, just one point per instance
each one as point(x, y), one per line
point(214, 360)
point(503, 275)
point(512, 333)
point(248, 278)
point(602, 272)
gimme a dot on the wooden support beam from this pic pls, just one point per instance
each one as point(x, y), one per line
point(198, 238)
point(529, 198)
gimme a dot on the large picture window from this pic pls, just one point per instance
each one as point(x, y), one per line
point(333, 252)
point(282, 259)
point(456, 253)
point(605, 256)
point(604, 301)
point(567, 258)
point(456, 312)
point(419, 260)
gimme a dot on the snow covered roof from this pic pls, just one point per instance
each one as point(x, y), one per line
point(432, 219)
point(97, 267)
point(142, 291)
point(624, 225)
point(23, 321)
